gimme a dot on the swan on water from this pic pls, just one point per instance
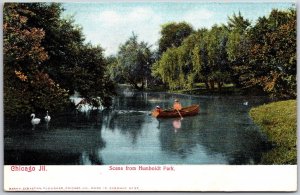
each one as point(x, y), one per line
point(34, 121)
point(47, 117)
point(245, 103)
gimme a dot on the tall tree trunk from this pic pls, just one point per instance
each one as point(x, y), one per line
point(206, 85)
point(220, 84)
point(212, 84)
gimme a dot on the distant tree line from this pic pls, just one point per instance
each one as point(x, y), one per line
point(260, 56)
point(46, 60)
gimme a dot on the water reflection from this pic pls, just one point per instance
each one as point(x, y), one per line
point(70, 139)
point(175, 139)
point(222, 133)
point(127, 122)
point(176, 124)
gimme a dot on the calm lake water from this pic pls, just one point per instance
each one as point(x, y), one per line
point(222, 133)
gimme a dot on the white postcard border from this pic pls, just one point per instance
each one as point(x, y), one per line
point(225, 178)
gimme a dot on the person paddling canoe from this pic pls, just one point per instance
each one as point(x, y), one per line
point(172, 113)
point(177, 106)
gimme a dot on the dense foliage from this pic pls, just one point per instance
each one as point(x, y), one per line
point(132, 63)
point(172, 35)
point(261, 56)
point(272, 58)
point(278, 121)
point(46, 60)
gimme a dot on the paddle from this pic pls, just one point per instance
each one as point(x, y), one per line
point(179, 114)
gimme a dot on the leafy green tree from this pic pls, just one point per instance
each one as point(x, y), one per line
point(237, 23)
point(199, 57)
point(27, 87)
point(114, 70)
point(63, 41)
point(42, 55)
point(90, 77)
point(134, 60)
point(238, 47)
point(217, 57)
point(168, 70)
point(273, 54)
point(69, 55)
point(178, 66)
point(185, 61)
point(172, 35)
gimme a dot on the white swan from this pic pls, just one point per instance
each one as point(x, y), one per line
point(34, 121)
point(47, 118)
point(245, 103)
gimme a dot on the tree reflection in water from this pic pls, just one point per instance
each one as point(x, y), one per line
point(128, 114)
point(55, 143)
point(127, 122)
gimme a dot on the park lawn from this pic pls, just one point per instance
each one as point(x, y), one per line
point(200, 89)
point(278, 121)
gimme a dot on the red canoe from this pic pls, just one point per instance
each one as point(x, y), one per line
point(186, 111)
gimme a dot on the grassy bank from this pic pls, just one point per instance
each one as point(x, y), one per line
point(227, 89)
point(278, 121)
point(200, 89)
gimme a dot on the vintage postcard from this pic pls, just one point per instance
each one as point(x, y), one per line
point(150, 96)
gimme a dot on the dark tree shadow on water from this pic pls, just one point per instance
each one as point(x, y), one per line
point(65, 140)
point(126, 122)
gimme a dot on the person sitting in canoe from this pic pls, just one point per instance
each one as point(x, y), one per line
point(158, 109)
point(177, 105)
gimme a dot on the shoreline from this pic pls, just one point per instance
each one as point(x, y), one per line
point(278, 120)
